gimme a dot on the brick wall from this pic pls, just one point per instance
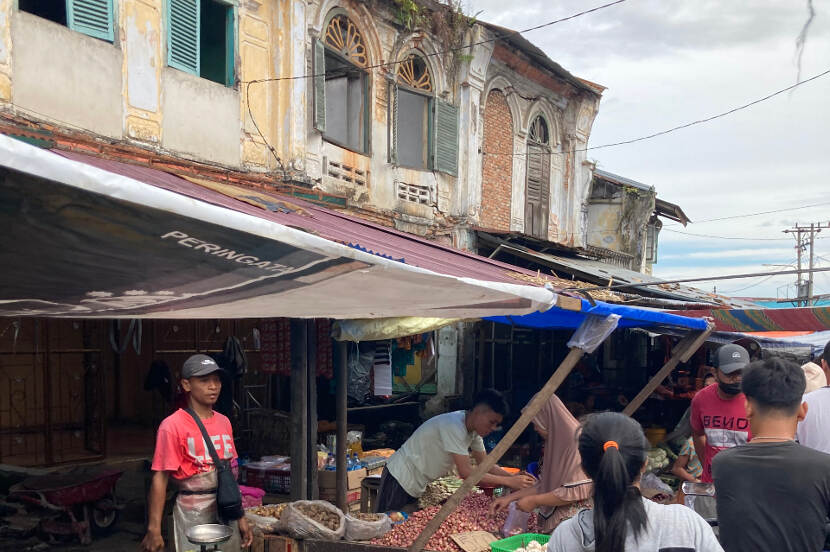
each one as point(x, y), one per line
point(497, 170)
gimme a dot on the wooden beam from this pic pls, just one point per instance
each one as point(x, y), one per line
point(536, 404)
point(299, 410)
point(342, 422)
point(681, 352)
point(311, 408)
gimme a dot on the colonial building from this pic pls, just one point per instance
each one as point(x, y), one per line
point(411, 112)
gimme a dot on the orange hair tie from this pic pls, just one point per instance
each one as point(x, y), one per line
point(609, 444)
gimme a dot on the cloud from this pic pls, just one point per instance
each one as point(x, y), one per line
point(668, 62)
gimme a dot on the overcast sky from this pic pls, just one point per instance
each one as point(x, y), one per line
point(668, 62)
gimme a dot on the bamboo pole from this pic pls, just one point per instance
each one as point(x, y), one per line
point(506, 442)
point(681, 352)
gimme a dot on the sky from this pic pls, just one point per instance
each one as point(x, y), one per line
point(670, 62)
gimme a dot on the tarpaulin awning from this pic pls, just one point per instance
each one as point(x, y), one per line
point(763, 320)
point(82, 241)
point(630, 317)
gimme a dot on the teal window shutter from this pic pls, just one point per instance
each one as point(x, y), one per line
point(319, 70)
point(183, 35)
point(91, 17)
point(393, 123)
point(230, 48)
point(446, 138)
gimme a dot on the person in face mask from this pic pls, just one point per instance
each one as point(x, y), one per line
point(718, 417)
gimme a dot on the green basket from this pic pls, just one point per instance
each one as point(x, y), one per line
point(519, 541)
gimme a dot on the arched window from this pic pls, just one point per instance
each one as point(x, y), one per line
point(537, 186)
point(424, 130)
point(341, 85)
point(413, 113)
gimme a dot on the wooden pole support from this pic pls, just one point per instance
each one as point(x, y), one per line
point(681, 352)
point(506, 442)
point(342, 423)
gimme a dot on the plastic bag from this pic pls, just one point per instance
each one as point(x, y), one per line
point(359, 530)
point(361, 358)
point(299, 526)
point(516, 522)
point(593, 331)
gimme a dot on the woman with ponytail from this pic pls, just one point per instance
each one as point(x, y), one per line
point(613, 451)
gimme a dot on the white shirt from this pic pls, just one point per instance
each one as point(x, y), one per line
point(427, 454)
point(814, 431)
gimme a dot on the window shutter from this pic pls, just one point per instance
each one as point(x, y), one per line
point(319, 70)
point(446, 138)
point(393, 157)
point(91, 17)
point(183, 35)
point(537, 191)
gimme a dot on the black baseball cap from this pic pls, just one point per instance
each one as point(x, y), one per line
point(731, 358)
point(199, 365)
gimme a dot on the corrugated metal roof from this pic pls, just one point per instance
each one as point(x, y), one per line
point(332, 225)
point(617, 179)
point(601, 273)
point(661, 207)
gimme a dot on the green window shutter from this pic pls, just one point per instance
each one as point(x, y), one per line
point(393, 98)
point(319, 70)
point(183, 35)
point(230, 48)
point(91, 17)
point(446, 138)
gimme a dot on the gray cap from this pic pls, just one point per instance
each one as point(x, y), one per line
point(199, 365)
point(731, 358)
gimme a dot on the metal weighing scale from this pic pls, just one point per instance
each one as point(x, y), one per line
point(209, 536)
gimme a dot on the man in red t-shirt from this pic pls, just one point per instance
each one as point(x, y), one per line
point(718, 416)
point(181, 455)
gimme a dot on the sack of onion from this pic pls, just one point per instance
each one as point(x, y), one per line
point(313, 519)
point(364, 527)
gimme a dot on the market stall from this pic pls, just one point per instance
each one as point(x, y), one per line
point(466, 509)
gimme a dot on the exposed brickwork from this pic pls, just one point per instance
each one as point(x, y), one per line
point(497, 170)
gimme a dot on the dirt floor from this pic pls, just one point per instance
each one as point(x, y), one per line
point(126, 534)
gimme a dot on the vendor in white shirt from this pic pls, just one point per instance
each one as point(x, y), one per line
point(441, 443)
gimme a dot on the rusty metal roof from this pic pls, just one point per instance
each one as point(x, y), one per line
point(326, 223)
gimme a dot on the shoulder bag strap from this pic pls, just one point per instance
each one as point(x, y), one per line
point(208, 443)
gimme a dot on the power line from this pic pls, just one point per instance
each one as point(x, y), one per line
point(709, 236)
point(673, 129)
point(700, 279)
point(731, 217)
point(457, 49)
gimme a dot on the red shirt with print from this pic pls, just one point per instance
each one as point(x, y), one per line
point(723, 422)
point(180, 447)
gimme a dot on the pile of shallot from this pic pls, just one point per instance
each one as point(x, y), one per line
point(473, 514)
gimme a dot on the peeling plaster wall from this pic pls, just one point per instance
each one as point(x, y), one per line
point(619, 223)
point(5, 51)
point(66, 76)
point(201, 118)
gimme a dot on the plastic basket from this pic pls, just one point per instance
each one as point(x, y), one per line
point(519, 541)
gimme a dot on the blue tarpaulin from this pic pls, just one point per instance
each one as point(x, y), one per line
point(631, 317)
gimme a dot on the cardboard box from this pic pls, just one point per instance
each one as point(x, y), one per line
point(331, 495)
point(328, 479)
point(273, 543)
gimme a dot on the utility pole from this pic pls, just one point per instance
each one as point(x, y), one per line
point(804, 290)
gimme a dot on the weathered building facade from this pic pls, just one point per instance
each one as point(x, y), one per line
point(624, 221)
point(372, 100)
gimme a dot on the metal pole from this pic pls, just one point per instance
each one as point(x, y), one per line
point(809, 300)
point(342, 422)
point(506, 442)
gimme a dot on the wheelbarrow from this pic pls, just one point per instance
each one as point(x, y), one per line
point(81, 502)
